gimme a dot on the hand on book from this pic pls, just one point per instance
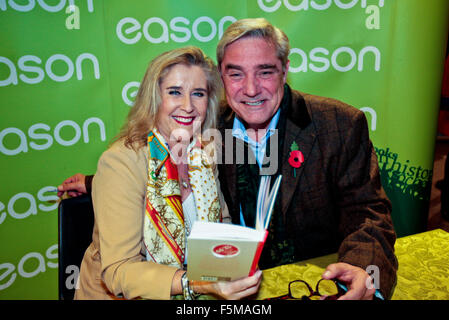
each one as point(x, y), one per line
point(230, 290)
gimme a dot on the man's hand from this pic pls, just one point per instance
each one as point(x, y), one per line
point(354, 277)
point(74, 186)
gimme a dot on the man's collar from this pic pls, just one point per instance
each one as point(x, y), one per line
point(296, 110)
point(239, 130)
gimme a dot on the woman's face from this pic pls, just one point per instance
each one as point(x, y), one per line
point(184, 103)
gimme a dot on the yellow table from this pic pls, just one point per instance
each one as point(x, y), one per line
point(423, 272)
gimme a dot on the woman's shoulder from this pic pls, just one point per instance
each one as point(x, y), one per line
point(120, 150)
point(123, 162)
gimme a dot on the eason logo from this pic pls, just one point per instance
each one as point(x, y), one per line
point(40, 137)
point(180, 29)
point(29, 266)
point(58, 67)
point(225, 251)
point(23, 204)
point(320, 5)
point(342, 59)
point(129, 92)
point(28, 5)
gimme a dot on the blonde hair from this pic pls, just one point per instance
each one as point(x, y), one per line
point(142, 116)
point(259, 28)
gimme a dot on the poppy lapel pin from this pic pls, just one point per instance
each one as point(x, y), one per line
point(296, 157)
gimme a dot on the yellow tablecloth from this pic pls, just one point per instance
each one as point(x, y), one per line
point(423, 272)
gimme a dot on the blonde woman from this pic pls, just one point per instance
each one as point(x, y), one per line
point(146, 195)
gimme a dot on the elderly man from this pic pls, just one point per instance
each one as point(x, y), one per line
point(330, 198)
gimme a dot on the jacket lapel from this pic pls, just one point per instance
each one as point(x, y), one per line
point(299, 128)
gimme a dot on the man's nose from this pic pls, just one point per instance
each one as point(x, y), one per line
point(251, 86)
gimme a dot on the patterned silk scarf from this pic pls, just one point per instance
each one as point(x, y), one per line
point(164, 222)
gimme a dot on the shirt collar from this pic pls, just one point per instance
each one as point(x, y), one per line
point(239, 130)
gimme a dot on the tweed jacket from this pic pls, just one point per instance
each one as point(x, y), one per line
point(336, 202)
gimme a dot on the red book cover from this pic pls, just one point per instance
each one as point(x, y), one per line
point(257, 255)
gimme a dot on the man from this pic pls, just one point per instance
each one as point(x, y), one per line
point(330, 198)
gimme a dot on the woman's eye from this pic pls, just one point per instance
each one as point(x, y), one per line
point(199, 94)
point(174, 92)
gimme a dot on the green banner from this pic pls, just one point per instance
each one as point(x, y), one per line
point(69, 71)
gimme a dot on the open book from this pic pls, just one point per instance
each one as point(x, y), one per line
point(219, 251)
point(265, 201)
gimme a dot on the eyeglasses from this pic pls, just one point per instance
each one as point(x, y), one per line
point(324, 289)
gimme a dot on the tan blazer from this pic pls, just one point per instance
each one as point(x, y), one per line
point(114, 265)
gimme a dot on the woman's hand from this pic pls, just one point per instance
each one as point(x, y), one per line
point(230, 290)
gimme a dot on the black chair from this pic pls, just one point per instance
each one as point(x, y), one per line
point(75, 224)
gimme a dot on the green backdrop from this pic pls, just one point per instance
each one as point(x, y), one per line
point(69, 71)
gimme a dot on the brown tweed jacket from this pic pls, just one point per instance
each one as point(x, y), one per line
point(336, 201)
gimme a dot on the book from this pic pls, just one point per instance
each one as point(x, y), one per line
point(224, 252)
point(265, 201)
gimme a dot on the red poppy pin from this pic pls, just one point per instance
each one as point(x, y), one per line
point(296, 157)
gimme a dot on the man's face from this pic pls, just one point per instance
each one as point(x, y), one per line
point(254, 80)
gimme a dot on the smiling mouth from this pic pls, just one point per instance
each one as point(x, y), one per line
point(186, 121)
point(254, 103)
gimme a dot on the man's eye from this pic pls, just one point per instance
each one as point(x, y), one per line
point(265, 74)
point(235, 75)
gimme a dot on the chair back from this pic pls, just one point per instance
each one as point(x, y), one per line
point(75, 224)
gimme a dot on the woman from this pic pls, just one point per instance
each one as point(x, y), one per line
point(151, 185)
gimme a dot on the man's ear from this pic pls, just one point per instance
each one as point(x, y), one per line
point(287, 65)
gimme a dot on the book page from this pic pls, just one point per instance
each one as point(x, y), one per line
point(224, 231)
